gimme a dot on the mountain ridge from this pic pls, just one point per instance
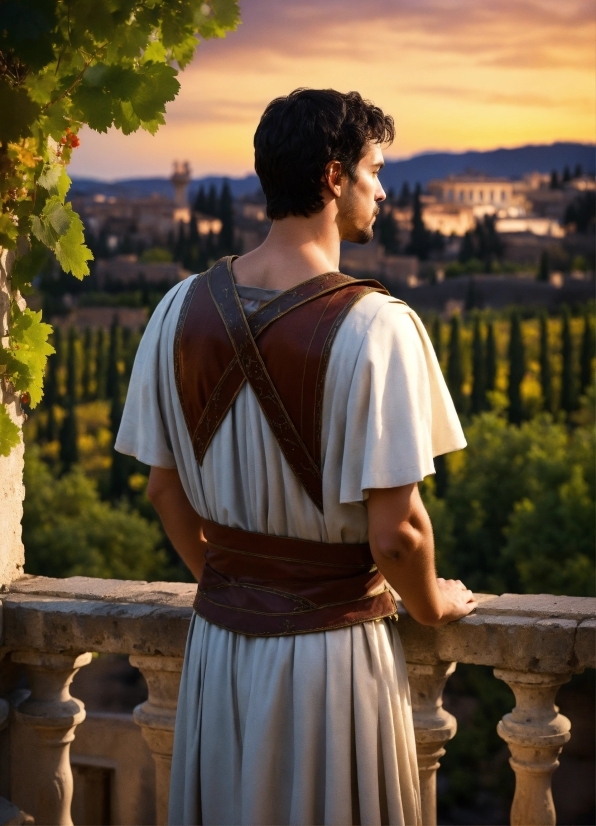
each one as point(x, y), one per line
point(510, 163)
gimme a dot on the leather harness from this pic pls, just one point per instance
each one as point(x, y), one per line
point(254, 583)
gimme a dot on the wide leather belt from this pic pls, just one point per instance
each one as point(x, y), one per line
point(264, 585)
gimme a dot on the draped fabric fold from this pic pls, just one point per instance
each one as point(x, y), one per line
point(308, 729)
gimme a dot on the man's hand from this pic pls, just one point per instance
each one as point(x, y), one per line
point(458, 601)
point(402, 546)
point(180, 520)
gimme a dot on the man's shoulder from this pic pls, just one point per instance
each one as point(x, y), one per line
point(374, 308)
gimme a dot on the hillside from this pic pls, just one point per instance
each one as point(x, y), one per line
point(510, 163)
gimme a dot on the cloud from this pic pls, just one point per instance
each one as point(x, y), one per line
point(488, 97)
point(531, 33)
point(456, 74)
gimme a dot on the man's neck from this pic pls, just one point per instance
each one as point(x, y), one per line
point(295, 250)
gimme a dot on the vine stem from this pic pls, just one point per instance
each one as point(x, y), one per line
point(67, 92)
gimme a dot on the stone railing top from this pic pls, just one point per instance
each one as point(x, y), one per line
point(540, 633)
point(173, 594)
point(181, 594)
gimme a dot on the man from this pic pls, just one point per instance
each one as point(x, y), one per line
point(288, 413)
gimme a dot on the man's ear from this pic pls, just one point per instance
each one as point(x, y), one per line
point(332, 177)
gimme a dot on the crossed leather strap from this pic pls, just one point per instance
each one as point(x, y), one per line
point(247, 364)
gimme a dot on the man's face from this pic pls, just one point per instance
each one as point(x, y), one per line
point(358, 204)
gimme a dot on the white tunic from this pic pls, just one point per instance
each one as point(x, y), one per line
point(313, 728)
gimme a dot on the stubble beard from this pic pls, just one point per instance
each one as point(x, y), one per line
point(355, 234)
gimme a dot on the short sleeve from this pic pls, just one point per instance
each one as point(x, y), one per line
point(144, 429)
point(400, 413)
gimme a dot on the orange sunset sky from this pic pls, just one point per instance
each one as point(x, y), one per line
point(455, 74)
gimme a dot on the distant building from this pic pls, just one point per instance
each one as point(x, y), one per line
point(474, 190)
point(251, 222)
point(127, 269)
point(133, 318)
point(449, 219)
point(536, 226)
point(149, 221)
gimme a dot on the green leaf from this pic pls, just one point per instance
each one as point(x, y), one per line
point(9, 432)
point(71, 251)
point(158, 87)
point(8, 231)
point(19, 112)
point(53, 222)
point(124, 117)
point(94, 106)
point(54, 178)
point(155, 53)
point(27, 266)
point(29, 350)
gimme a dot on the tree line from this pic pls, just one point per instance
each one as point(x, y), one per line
point(576, 371)
point(96, 366)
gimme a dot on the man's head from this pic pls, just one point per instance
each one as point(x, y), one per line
point(314, 145)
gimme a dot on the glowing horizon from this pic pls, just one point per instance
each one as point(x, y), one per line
point(455, 76)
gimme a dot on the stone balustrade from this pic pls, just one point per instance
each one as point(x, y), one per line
point(51, 626)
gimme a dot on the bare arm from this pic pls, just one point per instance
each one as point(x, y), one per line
point(403, 548)
point(179, 519)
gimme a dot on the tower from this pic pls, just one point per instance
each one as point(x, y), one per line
point(180, 180)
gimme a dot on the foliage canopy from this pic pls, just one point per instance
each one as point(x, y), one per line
point(63, 65)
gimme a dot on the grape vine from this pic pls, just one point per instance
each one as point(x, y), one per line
point(65, 64)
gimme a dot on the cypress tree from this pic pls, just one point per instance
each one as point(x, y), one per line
point(199, 205)
point(69, 452)
point(478, 370)
point(543, 267)
point(517, 369)
point(101, 364)
point(419, 238)
point(181, 244)
point(467, 249)
point(211, 205)
point(490, 352)
point(578, 171)
point(545, 365)
point(51, 392)
point(405, 195)
point(586, 374)
point(554, 180)
point(120, 463)
point(566, 175)
point(113, 376)
point(455, 372)
point(226, 214)
point(58, 363)
point(437, 338)
point(567, 374)
point(71, 366)
point(86, 371)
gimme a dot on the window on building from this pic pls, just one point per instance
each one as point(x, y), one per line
point(471, 195)
point(503, 195)
point(461, 194)
point(481, 195)
point(492, 196)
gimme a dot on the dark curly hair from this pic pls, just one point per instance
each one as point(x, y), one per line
point(299, 134)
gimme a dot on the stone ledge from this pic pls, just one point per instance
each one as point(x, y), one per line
point(538, 605)
point(540, 633)
point(179, 594)
point(56, 624)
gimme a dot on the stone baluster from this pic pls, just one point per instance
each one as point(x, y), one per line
point(157, 716)
point(53, 714)
point(535, 733)
point(433, 727)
